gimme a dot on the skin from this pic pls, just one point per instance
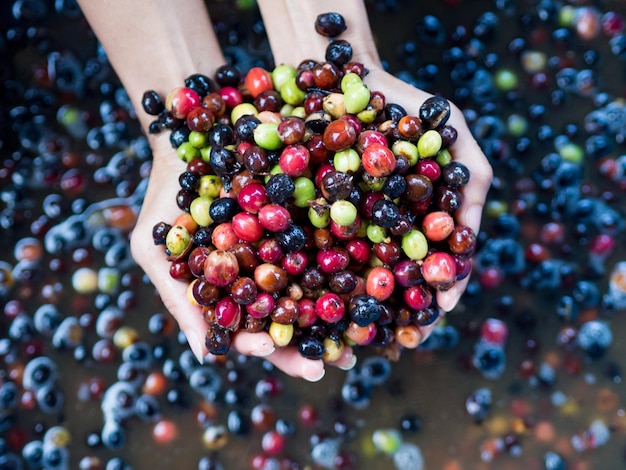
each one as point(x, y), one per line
point(154, 45)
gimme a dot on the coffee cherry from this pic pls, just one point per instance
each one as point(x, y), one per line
point(330, 24)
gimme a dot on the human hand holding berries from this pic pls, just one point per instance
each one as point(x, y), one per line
point(300, 38)
point(160, 204)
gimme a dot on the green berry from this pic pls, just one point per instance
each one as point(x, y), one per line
point(343, 213)
point(304, 192)
point(291, 94)
point(319, 213)
point(347, 161)
point(177, 240)
point(282, 74)
point(387, 441)
point(429, 143)
point(376, 233)
point(199, 210)
point(198, 139)
point(443, 158)
point(350, 79)
point(415, 245)
point(356, 98)
point(187, 152)
point(266, 136)
point(209, 186)
point(243, 109)
point(406, 149)
point(506, 80)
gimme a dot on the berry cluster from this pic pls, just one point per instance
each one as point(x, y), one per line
point(310, 207)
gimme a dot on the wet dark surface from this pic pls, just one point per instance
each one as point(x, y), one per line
point(553, 387)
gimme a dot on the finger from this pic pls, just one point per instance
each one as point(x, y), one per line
point(447, 300)
point(290, 361)
point(427, 330)
point(253, 344)
point(347, 360)
point(467, 151)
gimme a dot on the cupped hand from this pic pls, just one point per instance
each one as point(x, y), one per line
point(160, 206)
point(465, 150)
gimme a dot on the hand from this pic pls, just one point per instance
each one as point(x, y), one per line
point(465, 150)
point(160, 205)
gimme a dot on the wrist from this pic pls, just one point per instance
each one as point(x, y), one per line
point(290, 26)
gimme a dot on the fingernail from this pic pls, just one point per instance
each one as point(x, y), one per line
point(264, 350)
point(196, 346)
point(349, 365)
point(315, 376)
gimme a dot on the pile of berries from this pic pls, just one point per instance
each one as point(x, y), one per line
point(310, 207)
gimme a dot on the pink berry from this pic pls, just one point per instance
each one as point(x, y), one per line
point(262, 306)
point(221, 268)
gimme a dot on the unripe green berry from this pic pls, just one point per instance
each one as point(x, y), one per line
point(376, 233)
point(187, 152)
point(209, 186)
point(343, 212)
point(243, 109)
point(281, 74)
point(198, 139)
point(266, 136)
point(356, 98)
point(304, 192)
point(177, 240)
point(347, 161)
point(406, 149)
point(350, 79)
point(429, 143)
point(415, 245)
point(291, 94)
point(199, 210)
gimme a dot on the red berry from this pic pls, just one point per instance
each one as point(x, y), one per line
point(418, 297)
point(274, 217)
point(333, 260)
point(181, 100)
point(294, 160)
point(378, 160)
point(247, 227)
point(494, 331)
point(330, 308)
point(258, 80)
point(380, 283)
point(437, 225)
point(439, 270)
point(359, 250)
point(273, 442)
point(228, 313)
point(252, 197)
point(231, 96)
